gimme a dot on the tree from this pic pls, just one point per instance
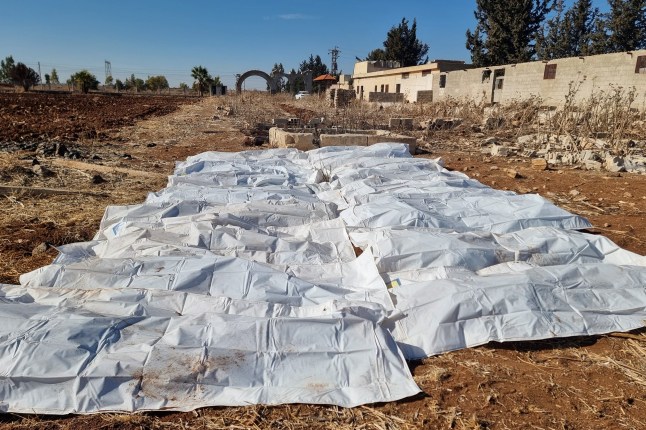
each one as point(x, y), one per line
point(276, 71)
point(505, 31)
point(157, 83)
point(202, 78)
point(24, 76)
point(626, 24)
point(119, 85)
point(55, 77)
point(85, 80)
point(5, 69)
point(315, 65)
point(569, 33)
point(376, 55)
point(135, 83)
point(108, 80)
point(183, 86)
point(401, 45)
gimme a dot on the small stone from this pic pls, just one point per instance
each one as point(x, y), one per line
point(97, 179)
point(575, 193)
point(42, 171)
point(606, 225)
point(628, 195)
point(151, 145)
point(40, 249)
point(513, 173)
point(494, 168)
point(539, 164)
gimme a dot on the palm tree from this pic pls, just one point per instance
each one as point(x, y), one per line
point(202, 78)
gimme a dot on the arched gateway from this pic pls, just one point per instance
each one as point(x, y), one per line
point(270, 81)
point(273, 81)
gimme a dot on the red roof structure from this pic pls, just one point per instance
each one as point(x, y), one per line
point(326, 77)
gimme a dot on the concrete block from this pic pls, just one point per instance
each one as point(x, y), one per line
point(401, 123)
point(280, 122)
point(285, 139)
point(499, 151)
point(593, 165)
point(346, 139)
point(394, 138)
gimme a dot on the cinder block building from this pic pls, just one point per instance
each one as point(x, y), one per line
point(551, 80)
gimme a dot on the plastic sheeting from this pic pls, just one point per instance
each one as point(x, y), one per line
point(239, 283)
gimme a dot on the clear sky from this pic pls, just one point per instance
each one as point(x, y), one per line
point(166, 37)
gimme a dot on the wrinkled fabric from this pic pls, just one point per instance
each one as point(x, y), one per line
point(281, 276)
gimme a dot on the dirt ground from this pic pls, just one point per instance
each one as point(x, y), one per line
point(582, 383)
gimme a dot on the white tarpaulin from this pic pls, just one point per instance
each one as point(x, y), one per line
point(288, 277)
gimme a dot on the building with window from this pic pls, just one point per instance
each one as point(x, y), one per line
point(385, 81)
point(551, 80)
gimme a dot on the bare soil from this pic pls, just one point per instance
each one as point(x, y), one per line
point(581, 383)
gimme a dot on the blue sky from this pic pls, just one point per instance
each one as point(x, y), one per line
point(166, 37)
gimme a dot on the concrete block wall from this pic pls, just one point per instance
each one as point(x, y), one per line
point(386, 97)
point(425, 96)
point(590, 75)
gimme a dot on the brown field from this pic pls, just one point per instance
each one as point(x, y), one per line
point(131, 144)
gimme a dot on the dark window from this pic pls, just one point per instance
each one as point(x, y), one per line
point(500, 82)
point(442, 81)
point(386, 88)
point(641, 64)
point(486, 75)
point(375, 88)
point(426, 73)
point(405, 75)
point(398, 88)
point(550, 71)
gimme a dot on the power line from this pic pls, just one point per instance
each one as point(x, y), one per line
point(335, 55)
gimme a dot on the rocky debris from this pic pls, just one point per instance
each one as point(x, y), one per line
point(40, 249)
point(591, 153)
point(501, 151)
point(440, 124)
point(42, 171)
point(513, 173)
point(97, 179)
point(615, 164)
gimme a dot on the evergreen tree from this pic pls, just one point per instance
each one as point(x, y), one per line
point(568, 33)
point(626, 25)
point(6, 66)
point(315, 65)
point(505, 31)
point(582, 17)
point(401, 45)
point(553, 40)
point(54, 77)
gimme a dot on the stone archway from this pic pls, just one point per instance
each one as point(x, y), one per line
point(270, 81)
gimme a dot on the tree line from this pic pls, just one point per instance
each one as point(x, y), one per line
point(21, 75)
point(525, 30)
